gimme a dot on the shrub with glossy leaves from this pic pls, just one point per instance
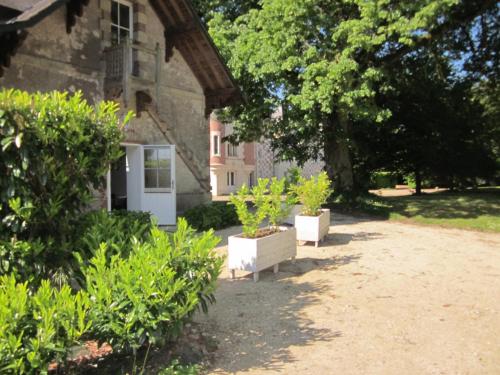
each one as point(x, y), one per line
point(115, 228)
point(215, 215)
point(145, 297)
point(55, 149)
point(38, 328)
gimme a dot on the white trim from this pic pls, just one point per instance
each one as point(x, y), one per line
point(130, 5)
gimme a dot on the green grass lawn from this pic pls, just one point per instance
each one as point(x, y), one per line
point(478, 210)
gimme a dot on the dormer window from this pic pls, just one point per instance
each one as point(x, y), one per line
point(121, 21)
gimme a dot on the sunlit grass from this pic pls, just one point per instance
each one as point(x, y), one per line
point(478, 210)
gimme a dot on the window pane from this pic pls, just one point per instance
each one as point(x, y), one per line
point(124, 34)
point(216, 144)
point(164, 178)
point(164, 153)
point(150, 178)
point(114, 35)
point(124, 16)
point(114, 12)
point(150, 158)
point(165, 164)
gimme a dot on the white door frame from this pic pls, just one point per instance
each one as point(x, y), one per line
point(108, 175)
point(142, 192)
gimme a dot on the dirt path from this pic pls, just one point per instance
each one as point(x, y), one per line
point(377, 298)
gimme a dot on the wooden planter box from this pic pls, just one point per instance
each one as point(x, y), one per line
point(257, 254)
point(313, 228)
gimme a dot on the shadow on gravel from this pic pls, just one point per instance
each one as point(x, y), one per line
point(256, 324)
point(336, 239)
point(266, 319)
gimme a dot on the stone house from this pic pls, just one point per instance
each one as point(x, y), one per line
point(231, 166)
point(151, 56)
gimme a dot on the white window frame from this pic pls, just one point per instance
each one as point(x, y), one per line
point(131, 19)
point(216, 143)
point(232, 150)
point(158, 189)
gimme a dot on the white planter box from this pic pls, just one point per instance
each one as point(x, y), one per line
point(296, 210)
point(313, 228)
point(257, 254)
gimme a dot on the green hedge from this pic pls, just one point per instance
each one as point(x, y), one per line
point(383, 180)
point(55, 150)
point(37, 328)
point(68, 276)
point(215, 215)
point(146, 297)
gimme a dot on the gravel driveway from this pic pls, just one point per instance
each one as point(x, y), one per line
point(377, 298)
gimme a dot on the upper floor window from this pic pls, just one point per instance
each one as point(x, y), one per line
point(216, 145)
point(232, 150)
point(121, 21)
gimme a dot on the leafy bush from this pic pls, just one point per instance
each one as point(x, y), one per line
point(251, 219)
point(382, 180)
point(313, 193)
point(278, 209)
point(215, 215)
point(38, 328)
point(146, 297)
point(115, 228)
point(55, 150)
point(292, 176)
point(175, 368)
point(267, 204)
point(20, 258)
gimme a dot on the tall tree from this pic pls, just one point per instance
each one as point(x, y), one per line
point(436, 131)
point(323, 62)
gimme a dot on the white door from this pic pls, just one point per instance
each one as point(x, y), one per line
point(151, 181)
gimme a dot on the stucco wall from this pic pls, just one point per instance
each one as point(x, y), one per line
point(51, 59)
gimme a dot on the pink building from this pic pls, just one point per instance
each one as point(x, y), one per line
point(231, 166)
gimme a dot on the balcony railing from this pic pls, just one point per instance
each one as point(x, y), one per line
point(120, 60)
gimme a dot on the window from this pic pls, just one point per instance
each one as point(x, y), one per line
point(157, 169)
point(216, 145)
point(230, 178)
point(232, 150)
point(121, 21)
point(251, 179)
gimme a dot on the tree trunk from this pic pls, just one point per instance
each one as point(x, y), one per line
point(418, 183)
point(338, 162)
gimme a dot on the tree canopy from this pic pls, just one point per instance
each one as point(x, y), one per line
point(327, 63)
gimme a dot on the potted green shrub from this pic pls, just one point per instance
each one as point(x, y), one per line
point(313, 222)
point(258, 248)
point(292, 178)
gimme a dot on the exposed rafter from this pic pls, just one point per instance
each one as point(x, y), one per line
point(74, 8)
point(9, 44)
point(184, 31)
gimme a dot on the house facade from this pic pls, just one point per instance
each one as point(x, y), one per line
point(151, 56)
point(231, 166)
